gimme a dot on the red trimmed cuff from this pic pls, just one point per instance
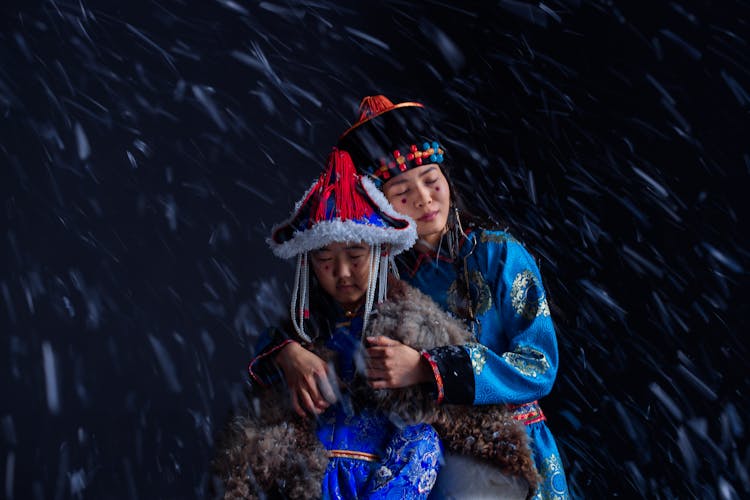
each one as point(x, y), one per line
point(438, 378)
point(262, 356)
point(527, 413)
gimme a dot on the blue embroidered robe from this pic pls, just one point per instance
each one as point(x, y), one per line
point(370, 457)
point(514, 357)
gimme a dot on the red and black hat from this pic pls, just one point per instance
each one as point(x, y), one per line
point(342, 206)
point(389, 139)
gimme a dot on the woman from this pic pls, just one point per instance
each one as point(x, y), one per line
point(481, 275)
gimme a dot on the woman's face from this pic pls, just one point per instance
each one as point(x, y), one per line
point(342, 270)
point(423, 194)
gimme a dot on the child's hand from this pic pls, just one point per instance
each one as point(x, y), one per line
point(307, 378)
point(393, 365)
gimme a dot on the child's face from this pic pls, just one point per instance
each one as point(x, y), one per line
point(343, 270)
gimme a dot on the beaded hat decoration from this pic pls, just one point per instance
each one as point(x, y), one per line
point(341, 206)
point(389, 139)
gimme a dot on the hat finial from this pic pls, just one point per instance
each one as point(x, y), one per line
point(372, 105)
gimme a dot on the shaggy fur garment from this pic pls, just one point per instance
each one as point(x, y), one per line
point(485, 431)
point(273, 450)
point(269, 451)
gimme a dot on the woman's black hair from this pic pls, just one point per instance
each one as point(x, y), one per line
point(469, 218)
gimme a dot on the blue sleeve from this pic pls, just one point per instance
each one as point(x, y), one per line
point(515, 360)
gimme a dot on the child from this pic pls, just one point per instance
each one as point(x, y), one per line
point(345, 231)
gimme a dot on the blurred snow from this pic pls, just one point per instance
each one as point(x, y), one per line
point(147, 148)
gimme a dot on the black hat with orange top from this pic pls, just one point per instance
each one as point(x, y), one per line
point(389, 139)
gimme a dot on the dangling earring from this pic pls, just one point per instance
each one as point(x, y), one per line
point(454, 231)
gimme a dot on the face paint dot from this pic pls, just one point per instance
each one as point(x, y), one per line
point(355, 266)
point(437, 188)
point(326, 268)
point(403, 200)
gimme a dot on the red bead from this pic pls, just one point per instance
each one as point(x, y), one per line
point(396, 153)
point(413, 148)
point(410, 156)
point(419, 161)
point(402, 167)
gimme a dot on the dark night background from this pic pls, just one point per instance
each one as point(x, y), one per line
point(147, 147)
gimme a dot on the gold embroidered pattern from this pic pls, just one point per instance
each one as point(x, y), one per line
point(478, 355)
point(543, 307)
point(492, 237)
point(528, 361)
point(480, 293)
point(524, 296)
point(356, 455)
point(553, 481)
point(456, 303)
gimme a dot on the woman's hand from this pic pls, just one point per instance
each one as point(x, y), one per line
point(307, 378)
point(393, 365)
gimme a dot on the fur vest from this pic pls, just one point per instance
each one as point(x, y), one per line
point(269, 448)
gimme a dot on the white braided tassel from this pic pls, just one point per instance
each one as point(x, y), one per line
point(371, 284)
point(394, 268)
point(383, 278)
point(300, 299)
